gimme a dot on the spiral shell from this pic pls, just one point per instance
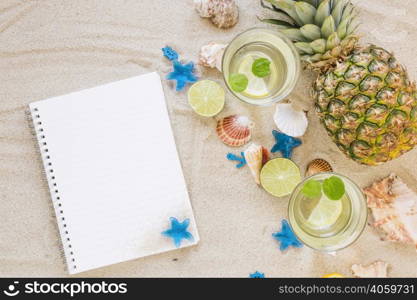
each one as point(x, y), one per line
point(235, 130)
point(318, 165)
point(211, 55)
point(394, 209)
point(222, 13)
point(253, 157)
point(290, 121)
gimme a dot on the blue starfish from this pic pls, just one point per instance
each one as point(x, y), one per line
point(170, 53)
point(286, 237)
point(284, 143)
point(257, 275)
point(178, 231)
point(183, 74)
point(241, 159)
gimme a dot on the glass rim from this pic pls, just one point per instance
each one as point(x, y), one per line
point(292, 197)
point(297, 66)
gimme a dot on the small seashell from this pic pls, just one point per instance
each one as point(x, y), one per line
point(222, 13)
point(235, 130)
point(253, 157)
point(394, 209)
point(318, 165)
point(211, 55)
point(378, 269)
point(266, 155)
point(290, 121)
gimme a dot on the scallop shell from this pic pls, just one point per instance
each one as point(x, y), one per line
point(222, 13)
point(253, 157)
point(318, 165)
point(234, 130)
point(394, 209)
point(378, 269)
point(211, 55)
point(290, 121)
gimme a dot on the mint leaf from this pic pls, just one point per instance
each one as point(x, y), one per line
point(334, 188)
point(260, 67)
point(238, 82)
point(312, 189)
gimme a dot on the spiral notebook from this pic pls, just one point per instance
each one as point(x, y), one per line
point(113, 172)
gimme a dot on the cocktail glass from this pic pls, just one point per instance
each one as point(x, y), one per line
point(324, 224)
point(257, 43)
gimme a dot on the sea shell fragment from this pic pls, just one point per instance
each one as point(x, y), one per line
point(266, 155)
point(235, 130)
point(289, 120)
point(253, 156)
point(318, 165)
point(378, 269)
point(211, 55)
point(394, 209)
point(222, 13)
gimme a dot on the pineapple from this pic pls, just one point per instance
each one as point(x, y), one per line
point(362, 94)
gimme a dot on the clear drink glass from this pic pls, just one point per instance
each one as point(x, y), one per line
point(324, 224)
point(262, 43)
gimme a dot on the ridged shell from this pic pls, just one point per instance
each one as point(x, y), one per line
point(290, 121)
point(211, 55)
point(318, 165)
point(222, 13)
point(253, 157)
point(378, 269)
point(394, 209)
point(234, 130)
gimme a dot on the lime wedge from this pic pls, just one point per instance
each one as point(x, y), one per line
point(325, 213)
point(257, 87)
point(206, 98)
point(280, 176)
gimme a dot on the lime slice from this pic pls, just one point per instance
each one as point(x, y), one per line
point(206, 98)
point(257, 87)
point(325, 213)
point(280, 176)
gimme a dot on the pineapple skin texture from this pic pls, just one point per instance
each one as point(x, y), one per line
point(368, 106)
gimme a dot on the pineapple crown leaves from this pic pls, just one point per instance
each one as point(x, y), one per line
point(322, 30)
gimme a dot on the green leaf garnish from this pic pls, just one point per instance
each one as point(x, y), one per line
point(260, 67)
point(334, 188)
point(238, 82)
point(312, 189)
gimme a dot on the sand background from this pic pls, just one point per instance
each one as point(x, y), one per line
point(53, 47)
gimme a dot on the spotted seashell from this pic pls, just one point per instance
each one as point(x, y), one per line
point(235, 130)
point(318, 165)
point(222, 13)
point(394, 209)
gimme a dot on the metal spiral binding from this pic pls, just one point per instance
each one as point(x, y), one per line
point(35, 124)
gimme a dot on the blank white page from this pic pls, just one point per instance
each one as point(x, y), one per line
point(113, 171)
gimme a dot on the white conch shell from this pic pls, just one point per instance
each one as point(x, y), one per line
point(253, 156)
point(289, 120)
point(394, 209)
point(378, 269)
point(211, 55)
point(223, 13)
